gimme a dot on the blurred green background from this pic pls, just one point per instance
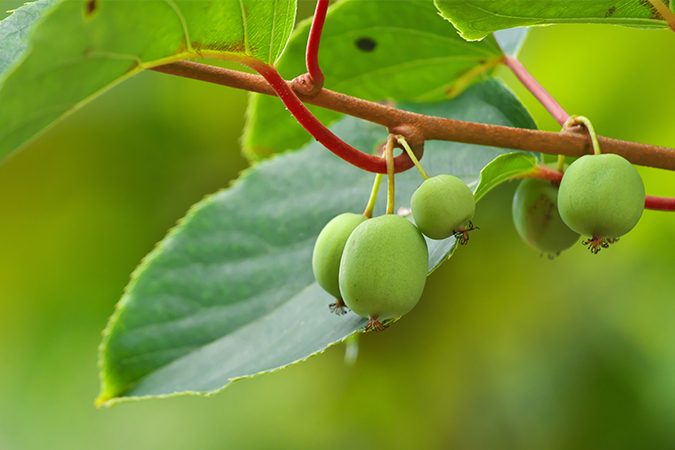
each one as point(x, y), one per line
point(506, 350)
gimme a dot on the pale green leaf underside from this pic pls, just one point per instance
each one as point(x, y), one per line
point(81, 48)
point(376, 50)
point(229, 293)
point(503, 168)
point(475, 19)
point(511, 40)
point(15, 30)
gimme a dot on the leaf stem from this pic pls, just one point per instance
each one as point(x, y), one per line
point(568, 142)
point(401, 140)
point(465, 80)
point(581, 120)
point(544, 173)
point(389, 156)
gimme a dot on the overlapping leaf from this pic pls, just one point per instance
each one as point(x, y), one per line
point(503, 168)
point(375, 50)
point(82, 47)
point(229, 293)
point(475, 19)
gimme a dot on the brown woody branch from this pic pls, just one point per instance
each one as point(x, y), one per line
point(419, 128)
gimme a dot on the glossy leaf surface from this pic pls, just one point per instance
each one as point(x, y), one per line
point(475, 19)
point(82, 48)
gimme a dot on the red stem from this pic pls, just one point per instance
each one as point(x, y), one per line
point(532, 85)
point(313, 42)
point(545, 173)
point(371, 163)
point(660, 203)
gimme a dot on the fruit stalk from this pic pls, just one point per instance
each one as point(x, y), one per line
point(401, 140)
point(389, 156)
point(373, 196)
point(573, 121)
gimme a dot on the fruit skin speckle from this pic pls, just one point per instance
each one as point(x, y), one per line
point(442, 205)
point(384, 268)
point(601, 196)
point(536, 217)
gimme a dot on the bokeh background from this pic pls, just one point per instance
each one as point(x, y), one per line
point(506, 350)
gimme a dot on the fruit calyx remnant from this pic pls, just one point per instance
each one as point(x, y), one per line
point(597, 243)
point(339, 308)
point(374, 324)
point(462, 235)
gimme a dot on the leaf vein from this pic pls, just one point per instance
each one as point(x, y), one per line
point(183, 22)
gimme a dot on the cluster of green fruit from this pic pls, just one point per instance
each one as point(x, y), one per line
point(601, 196)
point(378, 267)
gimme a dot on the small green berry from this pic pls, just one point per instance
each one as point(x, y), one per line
point(536, 217)
point(601, 196)
point(383, 269)
point(328, 251)
point(442, 206)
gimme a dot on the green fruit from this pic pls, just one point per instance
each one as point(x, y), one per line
point(536, 217)
point(328, 251)
point(442, 205)
point(601, 196)
point(383, 268)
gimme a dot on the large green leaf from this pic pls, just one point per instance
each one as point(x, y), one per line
point(82, 48)
point(475, 19)
point(229, 293)
point(375, 50)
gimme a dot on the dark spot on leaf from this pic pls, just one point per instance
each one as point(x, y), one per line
point(90, 8)
point(610, 12)
point(366, 44)
point(652, 9)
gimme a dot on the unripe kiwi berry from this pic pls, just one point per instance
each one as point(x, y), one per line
point(536, 217)
point(328, 253)
point(383, 269)
point(442, 206)
point(601, 196)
